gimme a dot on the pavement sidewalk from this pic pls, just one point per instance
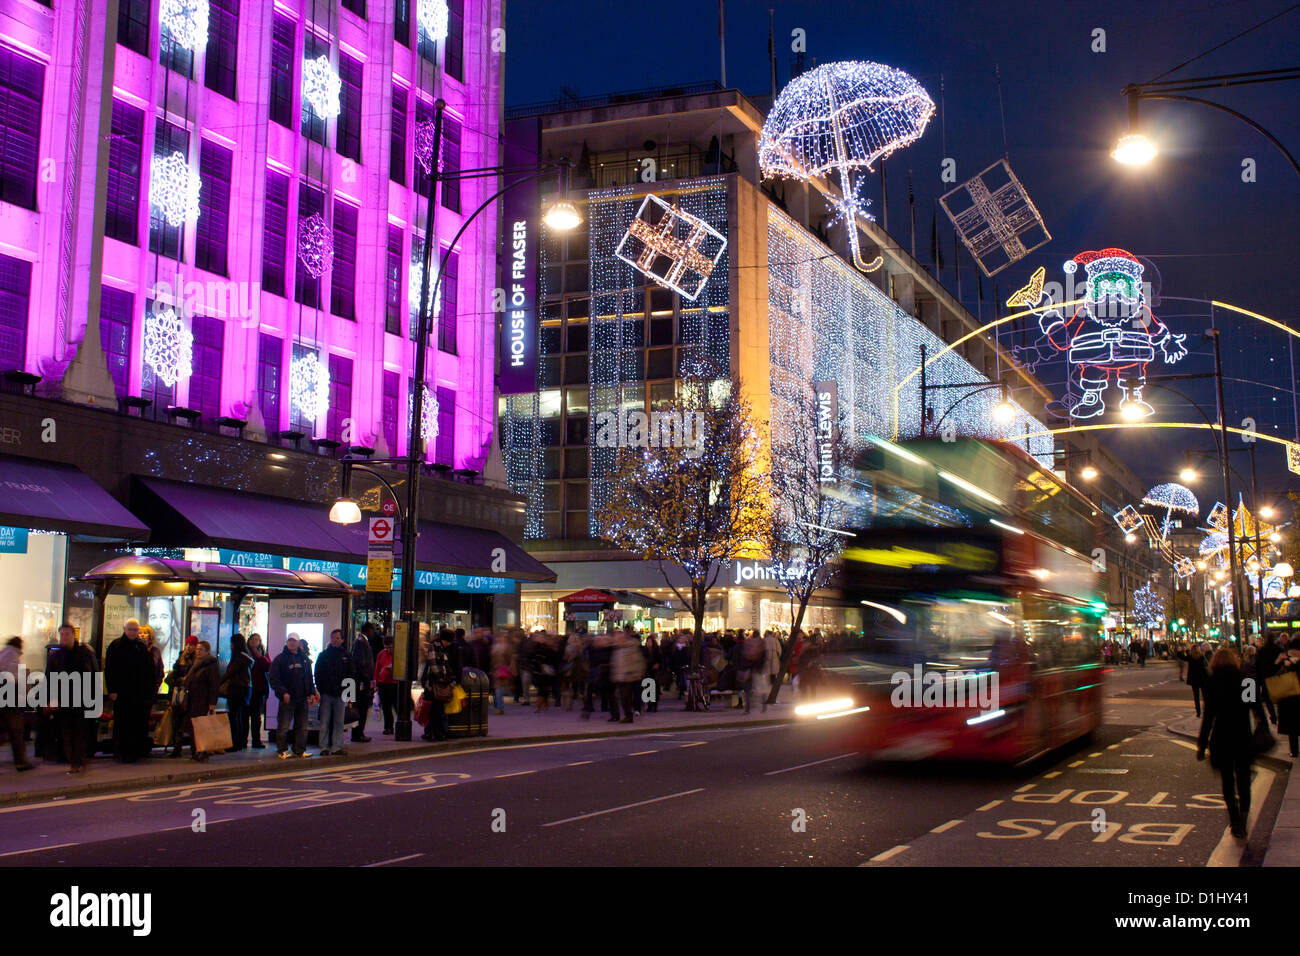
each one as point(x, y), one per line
point(1284, 842)
point(520, 725)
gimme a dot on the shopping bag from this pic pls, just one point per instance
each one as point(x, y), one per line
point(1284, 685)
point(211, 734)
point(1262, 739)
point(457, 702)
point(351, 716)
point(162, 736)
point(422, 712)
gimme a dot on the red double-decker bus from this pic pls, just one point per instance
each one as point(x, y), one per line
point(973, 565)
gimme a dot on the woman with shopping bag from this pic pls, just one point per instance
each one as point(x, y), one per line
point(202, 684)
point(177, 710)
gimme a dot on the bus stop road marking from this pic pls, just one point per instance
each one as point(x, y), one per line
point(991, 804)
point(1049, 776)
point(888, 854)
point(945, 827)
point(1230, 851)
point(1028, 786)
point(1079, 763)
point(40, 849)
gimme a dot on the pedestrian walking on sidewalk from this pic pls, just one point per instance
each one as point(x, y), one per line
point(1197, 674)
point(1226, 731)
point(260, 688)
point(12, 717)
point(334, 668)
point(73, 658)
point(386, 683)
point(290, 679)
point(202, 686)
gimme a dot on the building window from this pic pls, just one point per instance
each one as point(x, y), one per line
point(152, 387)
point(343, 275)
point(392, 383)
point(313, 124)
point(447, 312)
point(222, 49)
point(340, 410)
point(174, 56)
point(116, 309)
point(21, 81)
point(298, 421)
point(356, 6)
point(445, 444)
point(348, 133)
point(275, 230)
point(214, 208)
point(133, 25)
point(307, 287)
point(454, 57)
point(270, 352)
point(402, 23)
point(15, 289)
point(428, 48)
point(451, 163)
point(397, 155)
point(165, 239)
point(205, 381)
point(393, 285)
point(282, 71)
point(125, 146)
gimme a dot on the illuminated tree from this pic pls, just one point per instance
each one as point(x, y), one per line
point(696, 503)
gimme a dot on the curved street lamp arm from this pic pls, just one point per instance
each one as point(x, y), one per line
point(348, 466)
point(1231, 112)
point(974, 391)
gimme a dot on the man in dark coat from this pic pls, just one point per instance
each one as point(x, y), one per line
point(1265, 667)
point(71, 657)
point(129, 680)
point(291, 682)
point(334, 670)
point(363, 664)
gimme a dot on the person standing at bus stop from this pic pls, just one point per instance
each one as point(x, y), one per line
point(334, 668)
point(129, 680)
point(290, 679)
point(71, 657)
point(1225, 730)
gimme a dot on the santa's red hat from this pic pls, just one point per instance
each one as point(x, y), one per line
point(1098, 262)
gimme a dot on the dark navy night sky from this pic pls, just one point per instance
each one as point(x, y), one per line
point(1210, 234)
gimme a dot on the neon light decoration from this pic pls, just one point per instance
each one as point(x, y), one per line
point(315, 245)
point(839, 119)
point(168, 346)
point(321, 87)
point(433, 18)
point(674, 248)
point(174, 189)
point(186, 21)
point(995, 218)
point(1112, 331)
point(309, 385)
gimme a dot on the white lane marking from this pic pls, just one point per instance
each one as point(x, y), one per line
point(190, 825)
point(39, 849)
point(881, 857)
point(944, 827)
point(642, 753)
point(773, 773)
point(695, 743)
point(627, 806)
point(580, 763)
point(1101, 770)
point(517, 773)
point(989, 806)
point(396, 859)
point(1229, 851)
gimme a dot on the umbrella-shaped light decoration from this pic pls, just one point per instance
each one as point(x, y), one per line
point(838, 119)
point(1214, 548)
point(1172, 497)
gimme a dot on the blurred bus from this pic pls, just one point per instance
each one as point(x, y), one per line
point(973, 565)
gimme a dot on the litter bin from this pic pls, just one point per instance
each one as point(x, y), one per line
point(472, 721)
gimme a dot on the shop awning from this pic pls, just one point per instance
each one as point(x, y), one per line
point(637, 599)
point(49, 496)
point(589, 596)
point(145, 575)
point(196, 516)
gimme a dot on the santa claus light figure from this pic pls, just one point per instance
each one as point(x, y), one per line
point(1111, 331)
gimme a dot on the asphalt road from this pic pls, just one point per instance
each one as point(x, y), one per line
point(1132, 795)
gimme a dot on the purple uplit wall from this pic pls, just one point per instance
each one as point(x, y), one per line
point(84, 105)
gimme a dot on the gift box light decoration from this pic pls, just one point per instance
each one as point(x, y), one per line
point(433, 18)
point(174, 188)
point(428, 414)
point(321, 87)
point(168, 345)
point(672, 247)
point(1128, 519)
point(186, 22)
point(309, 385)
point(837, 120)
point(315, 245)
point(1293, 457)
point(995, 217)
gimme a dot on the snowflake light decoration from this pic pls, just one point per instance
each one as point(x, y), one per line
point(424, 136)
point(675, 249)
point(1147, 607)
point(433, 18)
point(186, 21)
point(839, 119)
point(428, 414)
point(321, 87)
point(309, 385)
point(415, 278)
point(174, 188)
point(315, 245)
point(168, 346)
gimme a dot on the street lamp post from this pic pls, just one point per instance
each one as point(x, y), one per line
point(1213, 333)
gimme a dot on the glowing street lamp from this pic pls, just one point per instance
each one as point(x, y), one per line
point(1187, 474)
point(1133, 149)
point(1266, 512)
point(1088, 473)
point(1130, 538)
point(1132, 411)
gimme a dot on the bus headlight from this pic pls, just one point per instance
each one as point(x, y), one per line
point(824, 707)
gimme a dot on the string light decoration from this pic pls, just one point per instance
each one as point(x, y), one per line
point(1128, 519)
point(186, 21)
point(433, 18)
point(168, 346)
point(1147, 606)
point(428, 414)
point(321, 87)
point(828, 322)
point(1172, 497)
point(309, 385)
point(424, 137)
point(671, 247)
point(838, 119)
point(316, 245)
point(1184, 568)
point(174, 188)
point(1293, 458)
point(995, 217)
